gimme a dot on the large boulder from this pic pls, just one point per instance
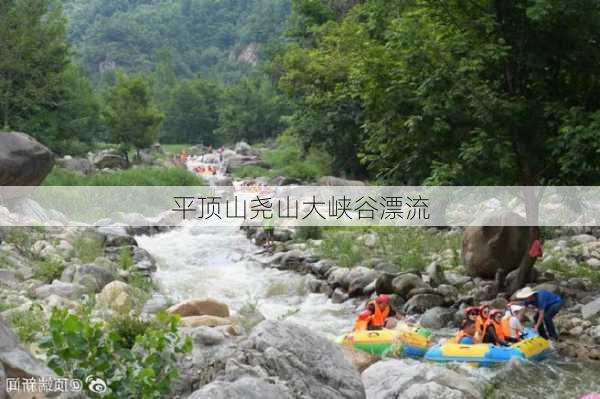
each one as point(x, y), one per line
point(15, 360)
point(109, 159)
point(358, 278)
point(404, 283)
point(421, 302)
point(495, 243)
point(205, 321)
point(409, 379)
point(200, 307)
point(297, 362)
point(117, 296)
point(23, 160)
point(437, 317)
point(591, 309)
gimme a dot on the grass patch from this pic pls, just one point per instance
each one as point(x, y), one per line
point(252, 172)
point(125, 259)
point(29, 325)
point(142, 176)
point(408, 248)
point(87, 249)
point(21, 239)
point(48, 270)
point(567, 271)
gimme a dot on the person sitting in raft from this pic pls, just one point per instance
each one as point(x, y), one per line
point(493, 333)
point(484, 315)
point(380, 310)
point(511, 322)
point(547, 305)
point(362, 321)
point(472, 313)
point(466, 334)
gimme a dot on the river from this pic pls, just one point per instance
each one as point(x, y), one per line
point(197, 261)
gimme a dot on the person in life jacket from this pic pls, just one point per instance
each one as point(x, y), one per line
point(380, 309)
point(466, 334)
point(493, 329)
point(511, 322)
point(484, 315)
point(472, 313)
point(362, 321)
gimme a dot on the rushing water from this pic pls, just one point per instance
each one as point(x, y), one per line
point(196, 261)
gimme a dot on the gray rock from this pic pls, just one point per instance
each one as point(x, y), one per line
point(207, 336)
point(283, 181)
point(437, 317)
point(358, 278)
point(292, 260)
point(339, 296)
point(449, 292)
point(244, 388)
point(16, 361)
point(282, 235)
point(322, 267)
point(591, 309)
point(456, 279)
point(309, 365)
point(91, 276)
point(409, 379)
point(2, 378)
point(436, 274)
point(406, 282)
point(60, 288)
point(336, 181)
point(142, 260)
point(337, 277)
point(23, 160)
point(155, 304)
point(80, 165)
point(369, 288)
point(109, 159)
point(583, 238)
point(383, 284)
point(420, 303)
point(243, 148)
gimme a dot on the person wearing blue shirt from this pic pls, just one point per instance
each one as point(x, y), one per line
point(465, 335)
point(547, 305)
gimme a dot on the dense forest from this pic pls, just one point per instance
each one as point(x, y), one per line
point(400, 91)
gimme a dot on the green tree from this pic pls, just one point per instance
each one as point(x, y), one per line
point(130, 114)
point(251, 110)
point(34, 55)
point(192, 113)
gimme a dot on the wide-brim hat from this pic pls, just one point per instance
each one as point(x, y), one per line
point(524, 293)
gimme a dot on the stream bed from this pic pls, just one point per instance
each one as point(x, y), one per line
point(197, 261)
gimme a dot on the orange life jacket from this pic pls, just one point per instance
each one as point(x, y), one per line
point(497, 329)
point(480, 324)
point(506, 328)
point(361, 325)
point(379, 316)
point(460, 335)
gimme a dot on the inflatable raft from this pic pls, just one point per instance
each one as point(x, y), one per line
point(534, 348)
point(400, 342)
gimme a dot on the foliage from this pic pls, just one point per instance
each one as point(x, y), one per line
point(407, 248)
point(204, 37)
point(250, 111)
point(192, 113)
point(87, 248)
point(21, 239)
point(130, 113)
point(78, 347)
point(125, 259)
point(465, 92)
point(48, 270)
point(141, 176)
point(29, 325)
point(251, 172)
point(309, 233)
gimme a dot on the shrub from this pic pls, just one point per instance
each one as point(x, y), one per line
point(29, 325)
point(125, 258)
point(48, 270)
point(252, 172)
point(141, 176)
point(87, 248)
point(78, 347)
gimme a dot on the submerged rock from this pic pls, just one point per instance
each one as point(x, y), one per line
point(409, 379)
